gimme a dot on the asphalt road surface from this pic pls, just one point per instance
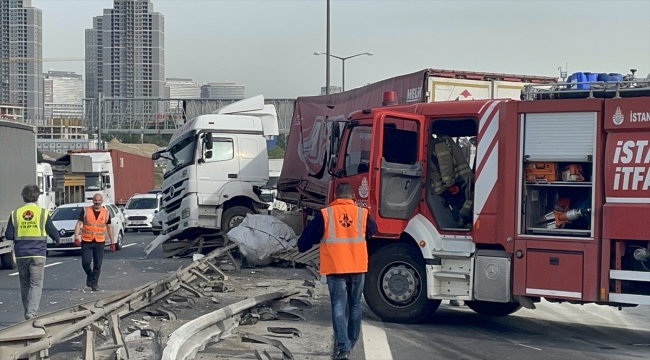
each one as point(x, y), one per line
point(65, 280)
point(552, 331)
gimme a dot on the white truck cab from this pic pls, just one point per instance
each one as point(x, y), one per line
point(217, 165)
point(44, 178)
point(102, 178)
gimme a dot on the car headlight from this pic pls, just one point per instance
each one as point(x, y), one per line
point(185, 213)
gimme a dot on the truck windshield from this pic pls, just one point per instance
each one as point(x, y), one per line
point(93, 182)
point(181, 153)
point(142, 203)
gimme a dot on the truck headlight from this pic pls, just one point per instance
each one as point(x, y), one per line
point(185, 213)
point(268, 198)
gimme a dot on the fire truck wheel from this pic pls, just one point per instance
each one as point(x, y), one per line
point(233, 216)
point(493, 309)
point(395, 287)
point(8, 261)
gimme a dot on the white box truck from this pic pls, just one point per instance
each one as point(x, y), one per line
point(18, 159)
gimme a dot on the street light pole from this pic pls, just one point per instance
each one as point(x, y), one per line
point(343, 61)
point(327, 62)
point(343, 75)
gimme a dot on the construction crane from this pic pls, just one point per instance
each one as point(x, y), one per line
point(22, 60)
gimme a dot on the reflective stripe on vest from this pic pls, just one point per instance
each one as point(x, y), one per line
point(343, 247)
point(93, 228)
point(333, 239)
point(29, 222)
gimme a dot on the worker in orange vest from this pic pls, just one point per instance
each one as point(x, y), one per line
point(342, 229)
point(89, 234)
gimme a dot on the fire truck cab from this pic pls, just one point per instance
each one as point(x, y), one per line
point(559, 193)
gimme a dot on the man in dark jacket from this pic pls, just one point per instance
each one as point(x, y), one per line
point(342, 229)
point(28, 227)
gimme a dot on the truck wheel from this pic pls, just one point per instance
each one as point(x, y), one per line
point(395, 287)
point(8, 261)
point(492, 308)
point(233, 216)
point(155, 232)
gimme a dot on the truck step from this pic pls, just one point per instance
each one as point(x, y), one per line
point(451, 275)
point(451, 254)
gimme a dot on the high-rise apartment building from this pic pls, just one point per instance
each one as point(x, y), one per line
point(21, 53)
point(64, 93)
point(223, 91)
point(125, 52)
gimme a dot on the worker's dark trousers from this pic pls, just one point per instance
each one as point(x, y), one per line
point(92, 251)
point(346, 289)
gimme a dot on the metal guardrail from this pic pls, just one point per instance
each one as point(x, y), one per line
point(33, 338)
point(593, 89)
point(186, 340)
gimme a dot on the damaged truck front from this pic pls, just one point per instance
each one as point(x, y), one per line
point(217, 165)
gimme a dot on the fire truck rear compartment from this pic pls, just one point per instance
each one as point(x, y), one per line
point(556, 202)
point(572, 243)
point(557, 174)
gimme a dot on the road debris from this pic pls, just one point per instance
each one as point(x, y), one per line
point(286, 354)
point(301, 303)
point(284, 330)
point(289, 315)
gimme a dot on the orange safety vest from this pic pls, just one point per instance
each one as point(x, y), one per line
point(343, 247)
point(93, 228)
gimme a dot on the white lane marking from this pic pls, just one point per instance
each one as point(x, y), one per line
point(127, 245)
point(47, 265)
point(375, 343)
point(527, 346)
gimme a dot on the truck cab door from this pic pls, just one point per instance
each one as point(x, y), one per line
point(353, 160)
point(218, 164)
point(396, 169)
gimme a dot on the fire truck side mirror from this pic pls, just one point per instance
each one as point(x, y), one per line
point(331, 166)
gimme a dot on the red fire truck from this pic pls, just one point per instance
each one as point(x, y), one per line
point(559, 195)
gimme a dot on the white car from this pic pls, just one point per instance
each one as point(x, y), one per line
point(65, 219)
point(156, 224)
point(140, 211)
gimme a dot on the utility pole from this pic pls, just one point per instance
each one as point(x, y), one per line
point(327, 61)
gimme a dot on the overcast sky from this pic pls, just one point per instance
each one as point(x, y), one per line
point(268, 45)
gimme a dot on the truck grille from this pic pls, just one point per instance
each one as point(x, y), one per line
point(172, 206)
point(137, 218)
